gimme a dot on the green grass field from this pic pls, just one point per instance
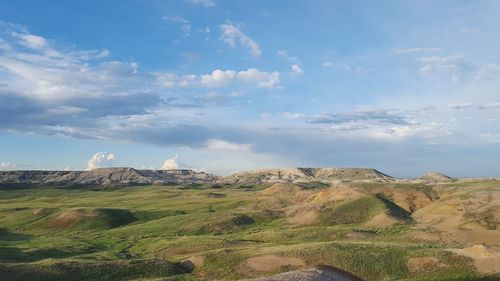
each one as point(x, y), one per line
point(142, 233)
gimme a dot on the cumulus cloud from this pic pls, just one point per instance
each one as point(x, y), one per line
point(170, 164)
point(296, 70)
point(100, 160)
point(174, 164)
point(232, 35)
point(7, 166)
point(261, 78)
point(220, 78)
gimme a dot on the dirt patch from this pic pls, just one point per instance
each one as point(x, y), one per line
point(272, 262)
point(409, 199)
point(486, 259)
point(44, 211)
point(72, 217)
point(304, 218)
point(479, 236)
point(421, 264)
point(470, 216)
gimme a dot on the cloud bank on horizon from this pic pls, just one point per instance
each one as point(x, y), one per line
point(231, 87)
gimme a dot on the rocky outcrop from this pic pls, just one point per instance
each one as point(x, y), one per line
point(435, 177)
point(306, 174)
point(102, 177)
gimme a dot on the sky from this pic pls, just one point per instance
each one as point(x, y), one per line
point(405, 87)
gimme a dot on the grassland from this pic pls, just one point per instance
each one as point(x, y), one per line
point(203, 233)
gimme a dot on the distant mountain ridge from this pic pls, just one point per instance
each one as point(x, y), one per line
point(306, 174)
point(104, 176)
point(130, 176)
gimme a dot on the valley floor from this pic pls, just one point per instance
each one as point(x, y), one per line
point(390, 231)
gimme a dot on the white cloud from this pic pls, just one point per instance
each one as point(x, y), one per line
point(232, 34)
point(465, 105)
point(204, 3)
point(415, 50)
point(42, 72)
point(174, 164)
point(492, 105)
point(219, 145)
point(100, 160)
point(176, 19)
point(218, 78)
point(296, 70)
point(212, 97)
point(284, 54)
point(170, 164)
point(263, 79)
point(184, 23)
point(292, 115)
point(7, 166)
point(461, 105)
point(327, 64)
point(435, 63)
point(31, 41)
point(172, 80)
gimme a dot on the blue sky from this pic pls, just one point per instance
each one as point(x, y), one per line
point(401, 86)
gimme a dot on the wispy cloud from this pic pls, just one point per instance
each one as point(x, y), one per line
point(379, 123)
point(415, 50)
point(470, 105)
point(327, 64)
point(296, 69)
point(204, 3)
point(7, 166)
point(184, 23)
point(232, 35)
point(219, 145)
point(284, 54)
